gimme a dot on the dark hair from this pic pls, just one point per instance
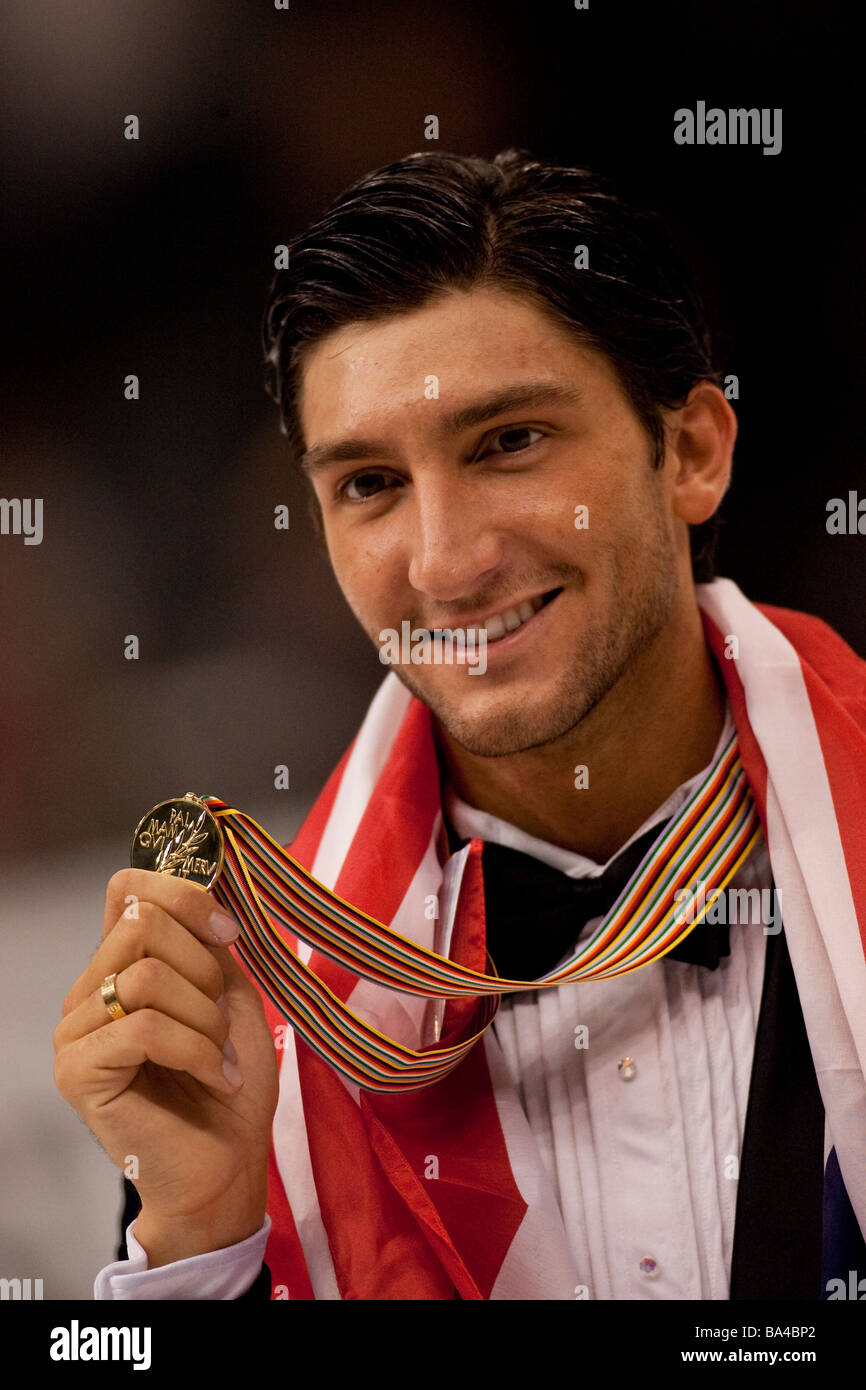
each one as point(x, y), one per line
point(435, 222)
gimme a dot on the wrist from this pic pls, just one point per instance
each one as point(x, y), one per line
point(166, 1245)
point(168, 1238)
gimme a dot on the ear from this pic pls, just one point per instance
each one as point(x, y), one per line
point(700, 437)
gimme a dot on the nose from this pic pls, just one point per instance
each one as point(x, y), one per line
point(454, 541)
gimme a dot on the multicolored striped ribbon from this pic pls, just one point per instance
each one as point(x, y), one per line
point(261, 883)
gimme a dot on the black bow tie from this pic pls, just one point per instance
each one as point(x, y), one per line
point(535, 913)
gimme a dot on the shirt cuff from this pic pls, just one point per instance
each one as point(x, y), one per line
point(218, 1274)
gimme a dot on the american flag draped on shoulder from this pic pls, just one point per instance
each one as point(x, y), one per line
point(352, 1214)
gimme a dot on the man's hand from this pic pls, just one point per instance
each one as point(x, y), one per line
point(186, 1084)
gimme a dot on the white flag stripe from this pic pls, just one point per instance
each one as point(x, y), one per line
point(539, 1257)
point(363, 769)
point(292, 1153)
point(805, 829)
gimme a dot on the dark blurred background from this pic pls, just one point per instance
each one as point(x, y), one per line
point(153, 257)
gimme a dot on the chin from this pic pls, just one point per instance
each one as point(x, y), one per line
point(497, 732)
point(503, 739)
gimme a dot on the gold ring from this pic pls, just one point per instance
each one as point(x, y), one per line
point(109, 997)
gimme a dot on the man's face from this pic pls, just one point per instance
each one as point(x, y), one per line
point(445, 504)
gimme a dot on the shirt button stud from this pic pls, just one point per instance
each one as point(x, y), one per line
point(626, 1068)
point(649, 1266)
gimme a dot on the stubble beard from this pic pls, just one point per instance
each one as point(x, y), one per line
point(643, 593)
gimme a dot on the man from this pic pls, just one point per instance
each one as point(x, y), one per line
point(498, 380)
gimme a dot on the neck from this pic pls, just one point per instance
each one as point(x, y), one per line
point(658, 726)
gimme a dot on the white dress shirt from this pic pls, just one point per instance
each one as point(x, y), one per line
point(643, 1157)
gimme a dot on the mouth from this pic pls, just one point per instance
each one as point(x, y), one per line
point(498, 627)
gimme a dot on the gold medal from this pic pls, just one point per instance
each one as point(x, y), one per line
point(180, 837)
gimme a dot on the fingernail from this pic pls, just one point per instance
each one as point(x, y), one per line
point(223, 927)
point(232, 1073)
point(223, 1006)
point(229, 1051)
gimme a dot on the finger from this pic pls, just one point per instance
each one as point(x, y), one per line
point(151, 932)
point(90, 1070)
point(148, 983)
point(187, 902)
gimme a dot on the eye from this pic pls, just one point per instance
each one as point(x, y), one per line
point(366, 485)
point(514, 440)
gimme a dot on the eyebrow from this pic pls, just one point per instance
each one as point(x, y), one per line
point(516, 397)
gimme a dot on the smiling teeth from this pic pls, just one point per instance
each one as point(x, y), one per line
point(498, 625)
